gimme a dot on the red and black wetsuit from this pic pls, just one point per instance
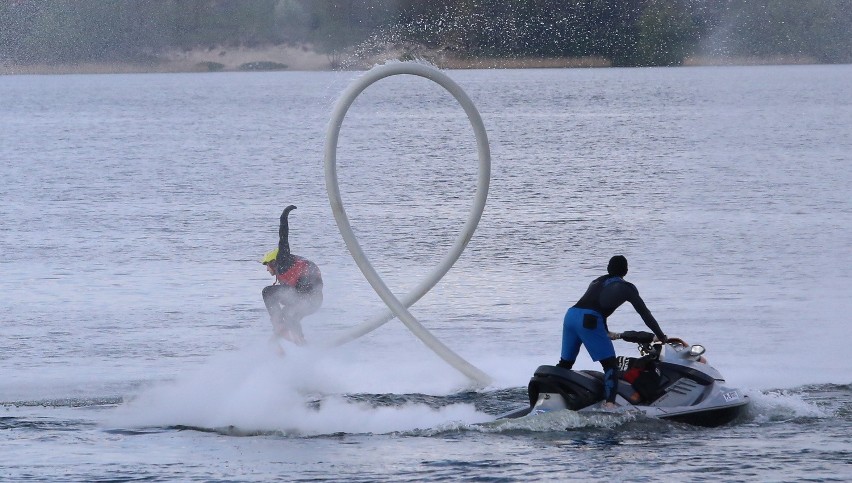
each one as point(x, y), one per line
point(293, 270)
point(299, 273)
point(298, 288)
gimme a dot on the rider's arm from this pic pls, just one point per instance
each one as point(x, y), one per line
point(639, 304)
point(284, 235)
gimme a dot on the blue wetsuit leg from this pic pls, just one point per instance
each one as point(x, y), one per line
point(570, 338)
point(589, 326)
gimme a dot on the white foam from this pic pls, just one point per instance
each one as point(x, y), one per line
point(781, 405)
point(253, 389)
point(560, 421)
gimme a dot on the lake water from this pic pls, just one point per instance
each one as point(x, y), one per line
point(135, 209)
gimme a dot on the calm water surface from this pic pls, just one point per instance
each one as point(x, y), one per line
point(135, 208)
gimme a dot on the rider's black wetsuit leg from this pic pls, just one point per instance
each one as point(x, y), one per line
point(610, 380)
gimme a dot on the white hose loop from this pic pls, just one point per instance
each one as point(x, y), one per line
point(400, 307)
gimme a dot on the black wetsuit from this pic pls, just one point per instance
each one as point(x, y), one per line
point(607, 293)
point(586, 323)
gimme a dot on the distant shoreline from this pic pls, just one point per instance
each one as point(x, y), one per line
point(304, 58)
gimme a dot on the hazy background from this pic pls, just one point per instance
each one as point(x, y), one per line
point(342, 33)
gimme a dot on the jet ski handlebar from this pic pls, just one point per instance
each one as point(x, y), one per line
point(637, 336)
point(643, 338)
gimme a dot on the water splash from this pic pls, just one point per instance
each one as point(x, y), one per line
point(254, 391)
point(782, 405)
point(561, 421)
point(446, 36)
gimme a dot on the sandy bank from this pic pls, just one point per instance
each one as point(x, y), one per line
point(214, 59)
point(305, 58)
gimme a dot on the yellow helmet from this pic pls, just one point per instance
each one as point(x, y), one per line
point(270, 256)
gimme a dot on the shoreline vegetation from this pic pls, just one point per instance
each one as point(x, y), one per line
point(119, 36)
point(305, 58)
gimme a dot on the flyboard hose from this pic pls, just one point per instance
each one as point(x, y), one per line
point(399, 307)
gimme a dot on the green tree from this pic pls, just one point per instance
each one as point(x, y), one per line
point(666, 34)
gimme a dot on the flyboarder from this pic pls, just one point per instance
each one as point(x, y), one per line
point(297, 289)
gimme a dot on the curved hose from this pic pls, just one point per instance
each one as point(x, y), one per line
point(400, 307)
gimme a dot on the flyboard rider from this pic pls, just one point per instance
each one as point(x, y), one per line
point(585, 323)
point(297, 289)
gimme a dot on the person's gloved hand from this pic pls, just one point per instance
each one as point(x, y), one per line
point(286, 212)
point(614, 335)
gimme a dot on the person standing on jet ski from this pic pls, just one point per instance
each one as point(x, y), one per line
point(297, 289)
point(585, 323)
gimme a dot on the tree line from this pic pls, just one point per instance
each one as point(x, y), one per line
point(625, 32)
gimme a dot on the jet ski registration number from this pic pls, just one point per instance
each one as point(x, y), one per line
point(731, 396)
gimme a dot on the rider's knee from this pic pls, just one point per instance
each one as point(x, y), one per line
point(609, 363)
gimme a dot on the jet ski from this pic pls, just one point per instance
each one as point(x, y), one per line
point(670, 381)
